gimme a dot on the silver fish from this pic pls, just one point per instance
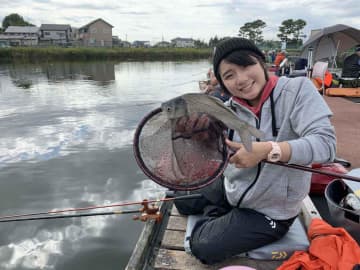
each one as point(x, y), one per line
point(187, 104)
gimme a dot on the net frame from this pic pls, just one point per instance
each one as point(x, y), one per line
point(199, 184)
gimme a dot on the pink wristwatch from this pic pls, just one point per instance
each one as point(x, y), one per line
point(275, 153)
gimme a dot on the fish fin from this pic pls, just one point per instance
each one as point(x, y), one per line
point(245, 137)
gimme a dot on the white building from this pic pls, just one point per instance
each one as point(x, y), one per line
point(20, 35)
point(183, 42)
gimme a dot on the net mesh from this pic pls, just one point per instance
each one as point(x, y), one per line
point(180, 158)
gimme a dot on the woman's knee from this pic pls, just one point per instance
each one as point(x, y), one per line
point(206, 243)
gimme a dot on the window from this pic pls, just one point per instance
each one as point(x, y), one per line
point(47, 33)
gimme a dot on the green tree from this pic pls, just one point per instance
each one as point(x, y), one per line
point(290, 30)
point(200, 43)
point(215, 40)
point(14, 19)
point(252, 30)
point(299, 26)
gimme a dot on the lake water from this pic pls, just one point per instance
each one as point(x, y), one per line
point(66, 141)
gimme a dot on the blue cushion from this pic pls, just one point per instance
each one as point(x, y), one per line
point(295, 239)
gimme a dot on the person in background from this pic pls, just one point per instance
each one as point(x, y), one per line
point(351, 69)
point(280, 56)
point(214, 89)
point(255, 203)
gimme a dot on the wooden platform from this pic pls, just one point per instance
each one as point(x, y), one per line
point(343, 92)
point(346, 120)
point(167, 251)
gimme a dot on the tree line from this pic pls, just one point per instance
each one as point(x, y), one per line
point(290, 31)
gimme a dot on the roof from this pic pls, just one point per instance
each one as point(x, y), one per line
point(141, 41)
point(182, 39)
point(94, 21)
point(56, 27)
point(22, 29)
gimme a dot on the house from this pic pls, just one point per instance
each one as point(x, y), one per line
point(163, 44)
point(116, 41)
point(183, 42)
point(74, 35)
point(55, 34)
point(124, 44)
point(141, 44)
point(20, 36)
point(97, 33)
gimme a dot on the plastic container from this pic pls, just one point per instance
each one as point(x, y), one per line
point(340, 216)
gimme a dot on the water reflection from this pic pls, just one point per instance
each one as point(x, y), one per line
point(26, 76)
point(66, 141)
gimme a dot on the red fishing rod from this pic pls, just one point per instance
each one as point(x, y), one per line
point(148, 210)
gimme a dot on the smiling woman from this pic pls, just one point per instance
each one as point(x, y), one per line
point(296, 122)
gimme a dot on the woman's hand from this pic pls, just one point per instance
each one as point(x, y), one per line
point(244, 159)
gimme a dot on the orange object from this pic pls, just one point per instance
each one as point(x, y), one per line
point(330, 249)
point(279, 57)
point(346, 92)
point(316, 83)
point(327, 80)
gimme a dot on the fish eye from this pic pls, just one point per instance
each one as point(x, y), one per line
point(168, 109)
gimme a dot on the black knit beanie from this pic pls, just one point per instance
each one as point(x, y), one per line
point(226, 47)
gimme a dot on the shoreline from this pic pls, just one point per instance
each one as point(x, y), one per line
point(36, 54)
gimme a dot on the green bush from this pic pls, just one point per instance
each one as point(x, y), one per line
point(35, 54)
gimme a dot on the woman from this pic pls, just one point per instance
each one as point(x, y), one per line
point(254, 204)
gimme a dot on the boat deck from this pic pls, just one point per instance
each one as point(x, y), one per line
point(165, 250)
point(171, 254)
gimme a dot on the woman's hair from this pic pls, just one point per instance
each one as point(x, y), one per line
point(244, 58)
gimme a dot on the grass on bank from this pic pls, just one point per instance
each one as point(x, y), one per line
point(35, 54)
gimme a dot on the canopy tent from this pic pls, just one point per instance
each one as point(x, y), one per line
point(326, 43)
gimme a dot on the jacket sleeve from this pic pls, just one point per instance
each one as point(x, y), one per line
point(310, 119)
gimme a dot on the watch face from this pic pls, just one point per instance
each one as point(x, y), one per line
point(276, 156)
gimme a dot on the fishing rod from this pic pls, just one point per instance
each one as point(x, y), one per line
point(308, 169)
point(72, 216)
point(148, 211)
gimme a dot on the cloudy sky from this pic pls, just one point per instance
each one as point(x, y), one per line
point(199, 19)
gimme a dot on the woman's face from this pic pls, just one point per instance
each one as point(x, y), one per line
point(243, 82)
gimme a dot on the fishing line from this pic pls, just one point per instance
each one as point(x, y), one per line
point(184, 197)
